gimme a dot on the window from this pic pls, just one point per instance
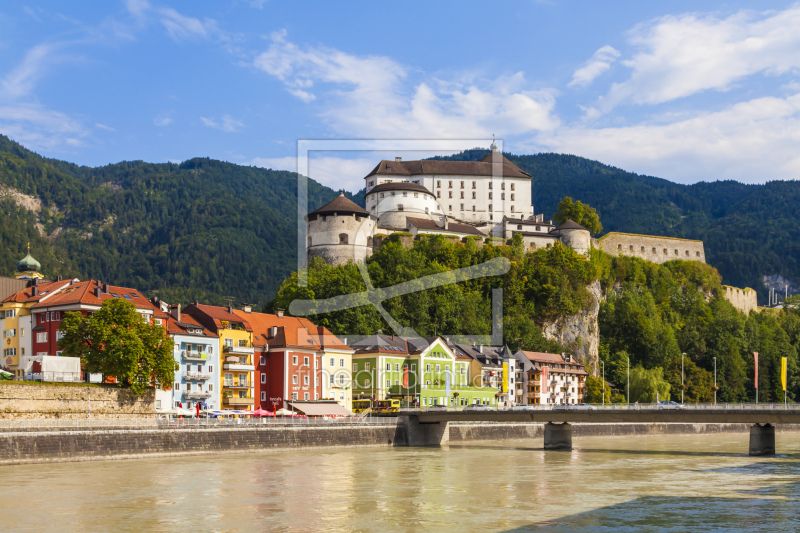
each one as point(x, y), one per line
point(305, 361)
point(449, 207)
point(263, 396)
point(9, 333)
point(397, 367)
point(156, 320)
point(490, 185)
point(438, 183)
point(263, 378)
point(188, 368)
point(490, 196)
point(341, 379)
point(332, 361)
point(438, 368)
point(341, 363)
point(210, 368)
point(502, 196)
point(450, 184)
point(355, 367)
point(10, 313)
point(438, 194)
point(462, 195)
point(332, 380)
point(294, 396)
point(343, 239)
point(676, 251)
point(388, 383)
point(59, 335)
point(512, 197)
point(228, 379)
point(366, 383)
point(177, 386)
point(503, 186)
point(474, 184)
point(229, 343)
point(41, 337)
point(305, 380)
point(305, 396)
point(295, 380)
point(490, 207)
point(413, 368)
point(388, 367)
point(428, 368)
point(399, 207)
point(462, 207)
point(341, 396)
point(450, 194)
point(462, 184)
point(512, 186)
point(366, 366)
point(263, 360)
point(474, 195)
point(696, 254)
point(294, 359)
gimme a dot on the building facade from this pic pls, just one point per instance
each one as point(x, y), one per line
point(551, 379)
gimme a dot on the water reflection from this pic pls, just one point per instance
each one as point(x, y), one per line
point(675, 483)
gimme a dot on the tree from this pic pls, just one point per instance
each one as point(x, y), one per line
point(115, 341)
point(577, 211)
point(593, 393)
point(646, 383)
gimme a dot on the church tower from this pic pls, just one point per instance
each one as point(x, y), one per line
point(28, 267)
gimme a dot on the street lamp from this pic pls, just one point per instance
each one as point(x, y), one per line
point(629, 380)
point(715, 381)
point(682, 386)
point(603, 390)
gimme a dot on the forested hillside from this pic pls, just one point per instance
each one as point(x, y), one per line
point(203, 229)
point(749, 230)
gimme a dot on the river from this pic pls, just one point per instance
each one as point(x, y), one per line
point(671, 483)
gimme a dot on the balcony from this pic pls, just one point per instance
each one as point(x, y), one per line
point(553, 383)
point(193, 356)
point(238, 386)
point(237, 401)
point(196, 376)
point(198, 394)
point(239, 350)
point(533, 395)
point(238, 366)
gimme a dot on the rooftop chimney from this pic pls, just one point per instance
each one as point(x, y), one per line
point(33, 289)
point(230, 309)
point(279, 312)
point(98, 291)
point(58, 278)
point(398, 159)
point(247, 309)
point(175, 311)
point(272, 332)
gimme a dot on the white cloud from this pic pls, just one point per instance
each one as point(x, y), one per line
point(103, 127)
point(752, 141)
point(370, 96)
point(599, 63)
point(226, 123)
point(39, 128)
point(137, 8)
point(162, 121)
point(682, 55)
point(180, 27)
point(20, 82)
point(334, 172)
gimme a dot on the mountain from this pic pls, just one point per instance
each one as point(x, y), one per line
point(211, 230)
point(749, 231)
point(203, 229)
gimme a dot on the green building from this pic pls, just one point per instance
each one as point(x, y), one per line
point(417, 371)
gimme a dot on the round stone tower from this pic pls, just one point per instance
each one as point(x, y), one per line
point(391, 203)
point(339, 232)
point(573, 234)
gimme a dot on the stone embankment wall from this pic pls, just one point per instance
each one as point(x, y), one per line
point(62, 446)
point(73, 401)
point(744, 300)
point(652, 248)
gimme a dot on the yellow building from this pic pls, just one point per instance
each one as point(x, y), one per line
point(235, 353)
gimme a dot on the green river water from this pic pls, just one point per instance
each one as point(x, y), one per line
point(641, 483)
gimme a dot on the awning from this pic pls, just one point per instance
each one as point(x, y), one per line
point(320, 409)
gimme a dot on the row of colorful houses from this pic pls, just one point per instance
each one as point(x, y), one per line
point(241, 359)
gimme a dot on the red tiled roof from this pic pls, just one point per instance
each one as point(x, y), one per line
point(292, 331)
point(83, 292)
point(218, 314)
point(547, 359)
point(452, 227)
point(174, 328)
point(42, 290)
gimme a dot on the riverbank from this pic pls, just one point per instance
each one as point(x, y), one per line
point(67, 445)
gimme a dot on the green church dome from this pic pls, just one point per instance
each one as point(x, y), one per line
point(29, 264)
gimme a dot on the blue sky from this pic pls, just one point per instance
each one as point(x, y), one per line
point(687, 91)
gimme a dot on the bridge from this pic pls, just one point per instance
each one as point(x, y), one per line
point(429, 427)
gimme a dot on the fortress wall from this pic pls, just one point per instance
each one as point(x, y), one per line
point(742, 299)
point(652, 248)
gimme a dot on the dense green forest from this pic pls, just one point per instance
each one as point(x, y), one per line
point(651, 314)
point(203, 229)
point(211, 230)
point(748, 230)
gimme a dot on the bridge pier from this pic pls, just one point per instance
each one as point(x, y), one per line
point(557, 436)
point(762, 439)
point(425, 433)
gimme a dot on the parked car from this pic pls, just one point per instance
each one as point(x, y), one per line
point(574, 407)
point(670, 405)
point(523, 408)
point(479, 408)
point(437, 407)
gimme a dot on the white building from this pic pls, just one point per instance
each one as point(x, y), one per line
point(551, 378)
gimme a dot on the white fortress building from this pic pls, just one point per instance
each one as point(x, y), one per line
point(486, 198)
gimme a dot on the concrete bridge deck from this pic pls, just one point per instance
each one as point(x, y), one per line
point(425, 427)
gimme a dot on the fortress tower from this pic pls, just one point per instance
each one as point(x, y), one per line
point(340, 231)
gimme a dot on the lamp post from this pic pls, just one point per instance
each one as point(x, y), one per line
point(715, 381)
point(629, 380)
point(603, 390)
point(682, 386)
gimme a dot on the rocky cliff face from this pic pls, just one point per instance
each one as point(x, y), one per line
point(579, 333)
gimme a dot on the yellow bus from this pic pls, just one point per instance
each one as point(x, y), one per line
point(377, 406)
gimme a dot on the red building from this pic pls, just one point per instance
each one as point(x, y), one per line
point(84, 297)
point(288, 358)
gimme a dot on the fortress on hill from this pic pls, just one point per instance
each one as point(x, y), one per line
point(460, 200)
